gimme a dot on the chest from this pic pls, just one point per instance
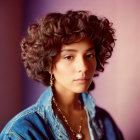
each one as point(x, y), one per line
point(71, 125)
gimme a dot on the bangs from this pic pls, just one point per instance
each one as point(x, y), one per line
point(73, 38)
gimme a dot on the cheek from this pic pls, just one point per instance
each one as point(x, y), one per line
point(95, 65)
point(92, 66)
point(61, 70)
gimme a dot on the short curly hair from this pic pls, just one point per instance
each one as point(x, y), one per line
point(45, 38)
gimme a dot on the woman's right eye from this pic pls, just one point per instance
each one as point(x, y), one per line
point(68, 57)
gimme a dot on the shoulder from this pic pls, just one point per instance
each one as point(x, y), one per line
point(102, 113)
point(20, 123)
point(104, 119)
point(103, 116)
point(29, 124)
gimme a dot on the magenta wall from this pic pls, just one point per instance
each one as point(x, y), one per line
point(10, 68)
point(117, 89)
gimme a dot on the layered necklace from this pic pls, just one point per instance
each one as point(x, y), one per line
point(78, 134)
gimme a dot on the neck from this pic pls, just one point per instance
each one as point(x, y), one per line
point(67, 100)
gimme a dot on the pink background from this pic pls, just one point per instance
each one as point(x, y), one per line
point(117, 89)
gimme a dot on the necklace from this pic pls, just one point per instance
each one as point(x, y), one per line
point(78, 134)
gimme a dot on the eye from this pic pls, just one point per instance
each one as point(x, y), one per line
point(90, 55)
point(68, 57)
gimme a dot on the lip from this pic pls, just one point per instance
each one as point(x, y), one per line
point(81, 80)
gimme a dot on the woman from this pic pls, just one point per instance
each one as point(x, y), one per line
point(65, 51)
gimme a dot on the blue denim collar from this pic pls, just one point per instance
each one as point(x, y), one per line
point(45, 103)
point(45, 100)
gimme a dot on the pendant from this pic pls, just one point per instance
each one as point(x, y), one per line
point(79, 136)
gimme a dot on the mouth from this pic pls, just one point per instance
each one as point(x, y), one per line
point(82, 80)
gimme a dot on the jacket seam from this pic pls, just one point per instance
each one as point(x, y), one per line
point(8, 129)
point(12, 133)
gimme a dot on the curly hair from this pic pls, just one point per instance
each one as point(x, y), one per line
point(45, 38)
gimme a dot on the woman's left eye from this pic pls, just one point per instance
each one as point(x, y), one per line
point(90, 55)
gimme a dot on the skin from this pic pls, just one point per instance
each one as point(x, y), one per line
point(73, 70)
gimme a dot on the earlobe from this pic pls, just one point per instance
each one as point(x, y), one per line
point(50, 70)
point(47, 70)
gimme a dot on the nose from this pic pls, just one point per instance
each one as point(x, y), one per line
point(81, 65)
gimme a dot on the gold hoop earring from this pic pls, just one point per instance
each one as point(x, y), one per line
point(51, 80)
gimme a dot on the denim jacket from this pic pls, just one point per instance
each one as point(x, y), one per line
point(38, 122)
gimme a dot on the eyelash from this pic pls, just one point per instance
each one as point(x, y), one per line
point(69, 57)
point(90, 55)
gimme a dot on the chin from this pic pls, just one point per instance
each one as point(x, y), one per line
point(80, 90)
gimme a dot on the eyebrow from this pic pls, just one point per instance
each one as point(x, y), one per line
point(73, 50)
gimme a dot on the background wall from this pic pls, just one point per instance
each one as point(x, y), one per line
point(10, 67)
point(117, 89)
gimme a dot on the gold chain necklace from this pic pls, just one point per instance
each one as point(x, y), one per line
point(78, 134)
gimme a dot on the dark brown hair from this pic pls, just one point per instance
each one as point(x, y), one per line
point(45, 38)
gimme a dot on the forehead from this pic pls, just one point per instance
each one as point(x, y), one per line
point(85, 44)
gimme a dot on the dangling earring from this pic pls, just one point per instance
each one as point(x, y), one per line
point(51, 80)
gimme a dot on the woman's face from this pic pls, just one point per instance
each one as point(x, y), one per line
point(74, 67)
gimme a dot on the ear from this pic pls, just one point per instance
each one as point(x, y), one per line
point(50, 71)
